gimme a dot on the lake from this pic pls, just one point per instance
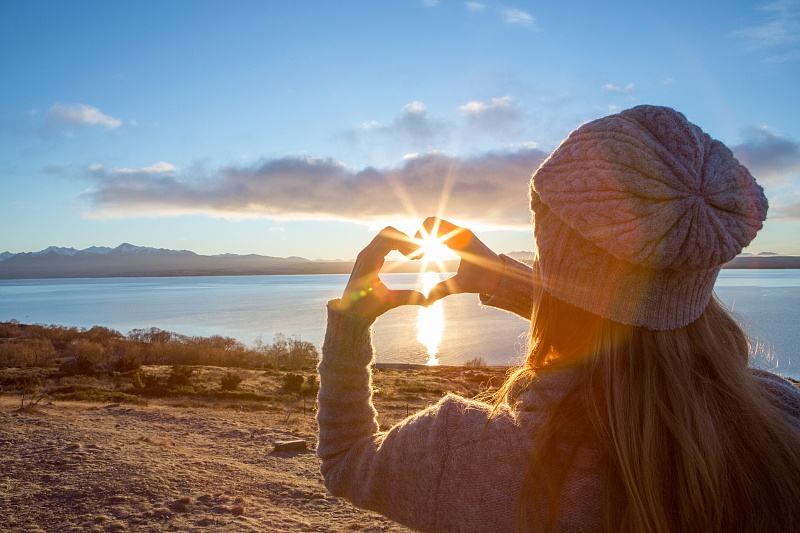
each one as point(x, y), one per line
point(456, 330)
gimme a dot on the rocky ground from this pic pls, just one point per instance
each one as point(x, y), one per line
point(186, 464)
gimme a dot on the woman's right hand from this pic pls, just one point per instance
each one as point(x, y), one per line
point(480, 268)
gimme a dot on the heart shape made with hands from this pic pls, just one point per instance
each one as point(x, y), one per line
point(433, 263)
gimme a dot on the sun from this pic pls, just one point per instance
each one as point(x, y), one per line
point(432, 250)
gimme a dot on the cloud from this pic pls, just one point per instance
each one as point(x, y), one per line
point(518, 17)
point(611, 87)
point(82, 114)
point(475, 6)
point(413, 125)
point(772, 158)
point(779, 29)
point(157, 168)
point(489, 189)
point(786, 206)
point(500, 115)
point(775, 162)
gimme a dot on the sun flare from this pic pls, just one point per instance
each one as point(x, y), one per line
point(430, 320)
point(433, 250)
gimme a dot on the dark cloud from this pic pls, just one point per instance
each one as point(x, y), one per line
point(774, 160)
point(490, 189)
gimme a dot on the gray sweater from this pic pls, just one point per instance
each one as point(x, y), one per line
point(451, 467)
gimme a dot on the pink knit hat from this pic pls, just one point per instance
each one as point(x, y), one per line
point(635, 214)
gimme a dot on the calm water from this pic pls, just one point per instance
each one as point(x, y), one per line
point(249, 307)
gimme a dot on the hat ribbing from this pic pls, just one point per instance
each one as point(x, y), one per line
point(635, 214)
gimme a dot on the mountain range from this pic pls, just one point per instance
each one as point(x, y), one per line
point(127, 260)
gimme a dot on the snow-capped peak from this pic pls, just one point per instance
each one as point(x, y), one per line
point(58, 250)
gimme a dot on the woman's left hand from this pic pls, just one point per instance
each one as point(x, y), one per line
point(365, 295)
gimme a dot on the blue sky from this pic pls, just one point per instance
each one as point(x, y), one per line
point(300, 128)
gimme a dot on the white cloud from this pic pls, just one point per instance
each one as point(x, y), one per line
point(157, 168)
point(518, 16)
point(475, 6)
point(82, 114)
point(490, 189)
point(779, 31)
point(500, 115)
point(415, 108)
point(626, 89)
point(413, 126)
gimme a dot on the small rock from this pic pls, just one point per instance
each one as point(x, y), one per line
point(291, 446)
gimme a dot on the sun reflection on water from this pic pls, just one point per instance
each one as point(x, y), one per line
point(430, 320)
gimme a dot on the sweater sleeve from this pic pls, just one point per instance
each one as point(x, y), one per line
point(422, 471)
point(359, 462)
point(515, 291)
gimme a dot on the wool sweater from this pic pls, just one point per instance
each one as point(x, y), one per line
point(452, 467)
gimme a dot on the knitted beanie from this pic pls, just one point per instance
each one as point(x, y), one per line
point(635, 214)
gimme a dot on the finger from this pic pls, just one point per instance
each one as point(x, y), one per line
point(392, 239)
point(404, 297)
point(444, 288)
point(454, 237)
point(372, 257)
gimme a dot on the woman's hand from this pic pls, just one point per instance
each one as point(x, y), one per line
point(365, 295)
point(480, 269)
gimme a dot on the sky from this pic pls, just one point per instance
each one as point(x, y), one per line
point(301, 128)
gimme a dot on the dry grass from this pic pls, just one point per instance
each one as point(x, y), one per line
point(200, 460)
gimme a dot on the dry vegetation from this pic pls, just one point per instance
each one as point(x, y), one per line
point(175, 447)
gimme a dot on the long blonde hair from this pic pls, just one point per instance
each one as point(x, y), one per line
point(690, 441)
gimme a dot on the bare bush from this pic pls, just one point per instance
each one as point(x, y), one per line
point(475, 362)
point(290, 353)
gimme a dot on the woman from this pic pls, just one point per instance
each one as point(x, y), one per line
point(635, 409)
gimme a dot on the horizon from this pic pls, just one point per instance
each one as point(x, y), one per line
point(394, 256)
point(278, 130)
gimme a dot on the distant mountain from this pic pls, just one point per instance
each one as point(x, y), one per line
point(127, 260)
point(764, 260)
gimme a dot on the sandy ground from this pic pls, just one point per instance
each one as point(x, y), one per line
point(71, 466)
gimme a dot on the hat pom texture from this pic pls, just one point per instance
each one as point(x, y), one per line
point(652, 190)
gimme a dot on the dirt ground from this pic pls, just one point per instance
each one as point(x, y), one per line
point(176, 466)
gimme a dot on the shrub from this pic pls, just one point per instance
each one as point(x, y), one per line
point(89, 393)
point(475, 362)
point(293, 382)
point(136, 380)
point(311, 385)
point(180, 375)
point(230, 381)
point(289, 353)
point(126, 363)
point(28, 388)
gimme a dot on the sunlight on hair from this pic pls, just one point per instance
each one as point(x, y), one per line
point(430, 320)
